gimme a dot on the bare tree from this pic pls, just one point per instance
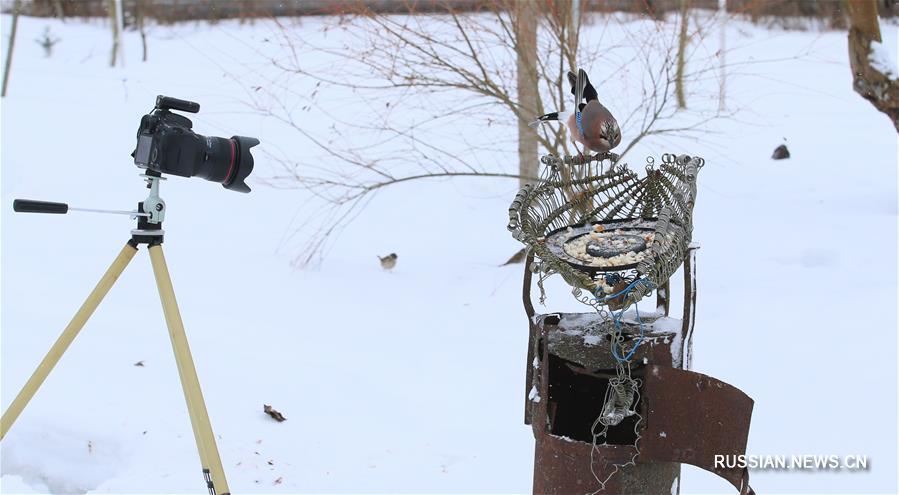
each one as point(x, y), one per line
point(113, 8)
point(870, 78)
point(682, 53)
point(58, 10)
point(407, 62)
point(140, 14)
point(17, 9)
point(722, 52)
point(528, 90)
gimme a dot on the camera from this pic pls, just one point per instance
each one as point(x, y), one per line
point(167, 145)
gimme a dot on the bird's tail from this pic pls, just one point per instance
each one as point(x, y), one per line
point(550, 117)
point(581, 84)
point(581, 87)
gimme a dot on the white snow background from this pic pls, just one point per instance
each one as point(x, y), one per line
point(413, 381)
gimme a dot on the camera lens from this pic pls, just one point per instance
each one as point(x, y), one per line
point(227, 161)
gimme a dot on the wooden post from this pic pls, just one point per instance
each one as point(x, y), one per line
point(17, 9)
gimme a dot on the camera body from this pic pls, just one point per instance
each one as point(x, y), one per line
point(166, 144)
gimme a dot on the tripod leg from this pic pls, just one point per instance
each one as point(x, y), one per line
point(199, 418)
point(68, 335)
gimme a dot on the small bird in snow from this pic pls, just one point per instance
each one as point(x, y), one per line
point(780, 153)
point(388, 262)
point(590, 124)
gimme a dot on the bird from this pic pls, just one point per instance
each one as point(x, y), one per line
point(388, 262)
point(591, 124)
point(516, 258)
point(780, 153)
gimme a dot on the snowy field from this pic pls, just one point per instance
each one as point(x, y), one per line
point(412, 380)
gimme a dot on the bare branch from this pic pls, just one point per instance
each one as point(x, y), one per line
point(434, 95)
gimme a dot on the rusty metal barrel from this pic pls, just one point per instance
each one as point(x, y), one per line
point(682, 416)
point(572, 373)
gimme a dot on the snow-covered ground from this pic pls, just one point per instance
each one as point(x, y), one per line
point(412, 381)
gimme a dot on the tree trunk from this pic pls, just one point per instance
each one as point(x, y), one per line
point(574, 32)
point(881, 89)
point(143, 43)
point(526, 48)
point(59, 10)
point(120, 27)
point(17, 9)
point(139, 8)
point(722, 52)
point(682, 55)
point(116, 32)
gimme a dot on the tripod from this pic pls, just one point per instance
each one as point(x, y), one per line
point(149, 231)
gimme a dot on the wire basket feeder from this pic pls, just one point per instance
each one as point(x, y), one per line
point(614, 234)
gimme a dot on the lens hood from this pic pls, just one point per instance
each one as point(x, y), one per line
point(244, 165)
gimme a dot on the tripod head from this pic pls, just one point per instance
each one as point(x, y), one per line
point(149, 213)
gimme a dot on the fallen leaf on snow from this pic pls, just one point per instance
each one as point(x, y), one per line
point(273, 413)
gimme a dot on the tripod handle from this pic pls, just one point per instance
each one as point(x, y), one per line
point(32, 206)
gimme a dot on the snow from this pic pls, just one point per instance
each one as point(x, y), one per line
point(15, 484)
point(882, 60)
point(410, 381)
point(88, 463)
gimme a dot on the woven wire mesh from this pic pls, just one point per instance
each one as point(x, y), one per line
point(581, 190)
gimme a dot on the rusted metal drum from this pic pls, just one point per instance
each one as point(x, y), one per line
point(682, 416)
point(571, 373)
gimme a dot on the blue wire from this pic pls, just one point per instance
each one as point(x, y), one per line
point(625, 290)
point(616, 319)
point(630, 354)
